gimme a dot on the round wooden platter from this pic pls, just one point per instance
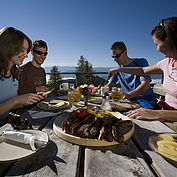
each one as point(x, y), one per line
point(57, 128)
point(45, 105)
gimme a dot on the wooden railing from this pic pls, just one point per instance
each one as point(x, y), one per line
point(78, 74)
point(157, 88)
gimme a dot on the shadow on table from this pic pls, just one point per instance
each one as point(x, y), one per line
point(134, 147)
point(46, 157)
point(127, 149)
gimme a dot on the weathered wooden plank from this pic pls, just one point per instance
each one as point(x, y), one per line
point(118, 160)
point(159, 92)
point(143, 131)
point(59, 158)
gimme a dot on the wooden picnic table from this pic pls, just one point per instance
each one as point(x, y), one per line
point(64, 159)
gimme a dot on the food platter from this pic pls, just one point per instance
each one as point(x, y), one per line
point(57, 127)
point(152, 142)
point(95, 100)
point(52, 105)
point(124, 105)
point(12, 151)
point(120, 106)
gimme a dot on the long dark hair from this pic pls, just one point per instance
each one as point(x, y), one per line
point(167, 29)
point(11, 41)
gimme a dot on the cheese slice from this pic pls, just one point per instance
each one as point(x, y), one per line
point(62, 103)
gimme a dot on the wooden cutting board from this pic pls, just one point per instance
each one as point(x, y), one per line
point(46, 105)
point(57, 128)
point(124, 106)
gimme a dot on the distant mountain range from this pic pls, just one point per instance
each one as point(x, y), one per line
point(96, 69)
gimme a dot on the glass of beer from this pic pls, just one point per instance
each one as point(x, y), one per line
point(70, 97)
point(73, 96)
point(117, 94)
point(76, 97)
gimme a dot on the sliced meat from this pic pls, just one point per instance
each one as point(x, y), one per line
point(102, 133)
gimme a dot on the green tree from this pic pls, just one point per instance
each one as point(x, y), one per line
point(55, 78)
point(84, 66)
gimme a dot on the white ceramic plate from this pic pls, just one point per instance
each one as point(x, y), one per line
point(57, 127)
point(12, 151)
point(153, 145)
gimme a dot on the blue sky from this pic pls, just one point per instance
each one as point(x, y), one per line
point(73, 28)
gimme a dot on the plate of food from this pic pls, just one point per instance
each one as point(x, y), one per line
point(53, 105)
point(95, 100)
point(165, 144)
point(13, 150)
point(90, 127)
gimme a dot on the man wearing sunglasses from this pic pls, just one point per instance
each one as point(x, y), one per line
point(32, 78)
point(136, 88)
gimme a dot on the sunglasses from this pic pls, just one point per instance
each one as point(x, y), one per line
point(40, 53)
point(117, 55)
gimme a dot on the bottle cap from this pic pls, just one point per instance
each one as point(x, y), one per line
point(105, 94)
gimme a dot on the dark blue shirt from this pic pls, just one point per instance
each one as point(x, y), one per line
point(130, 82)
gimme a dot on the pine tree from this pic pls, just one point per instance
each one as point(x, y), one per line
point(85, 66)
point(55, 78)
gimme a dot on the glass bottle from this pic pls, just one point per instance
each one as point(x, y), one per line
point(106, 104)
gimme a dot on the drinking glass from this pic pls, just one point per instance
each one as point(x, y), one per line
point(73, 96)
point(70, 97)
point(117, 94)
point(76, 97)
point(104, 89)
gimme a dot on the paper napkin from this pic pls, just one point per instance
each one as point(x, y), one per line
point(25, 138)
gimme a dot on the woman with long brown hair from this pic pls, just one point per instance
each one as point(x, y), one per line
point(14, 47)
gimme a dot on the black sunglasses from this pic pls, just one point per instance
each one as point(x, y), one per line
point(117, 55)
point(40, 53)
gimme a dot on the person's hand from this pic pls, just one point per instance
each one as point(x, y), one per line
point(41, 89)
point(112, 72)
point(27, 99)
point(143, 113)
point(126, 96)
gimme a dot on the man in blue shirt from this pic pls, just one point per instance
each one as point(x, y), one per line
point(136, 88)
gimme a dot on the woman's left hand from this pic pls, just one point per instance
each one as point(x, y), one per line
point(143, 113)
